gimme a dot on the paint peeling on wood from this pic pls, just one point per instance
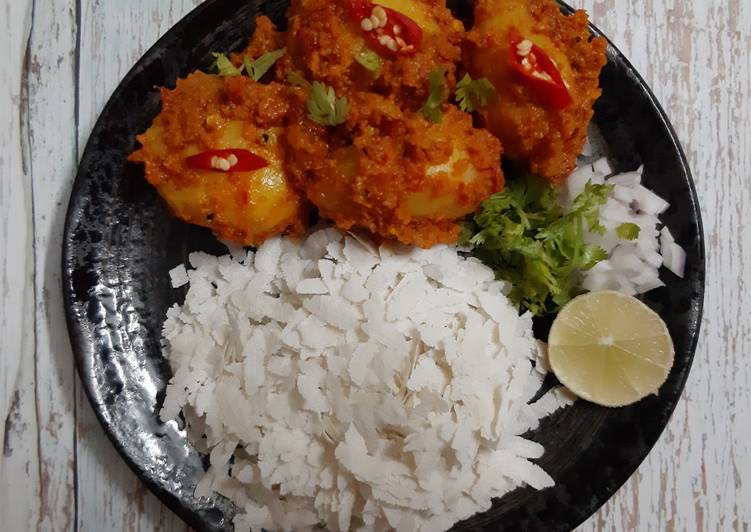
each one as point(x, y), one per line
point(19, 467)
point(13, 426)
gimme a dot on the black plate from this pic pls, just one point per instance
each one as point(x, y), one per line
point(120, 243)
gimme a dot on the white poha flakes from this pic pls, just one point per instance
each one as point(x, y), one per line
point(179, 276)
point(334, 383)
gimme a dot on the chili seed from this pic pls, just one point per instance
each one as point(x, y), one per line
point(542, 75)
point(380, 15)
point(524, 47)
point(219, 163)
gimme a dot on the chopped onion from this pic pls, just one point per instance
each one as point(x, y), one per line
point(648, 202)
point(624, 194)
point(596, 281)
point(666, 237)
point(647, 275)
point(648, 286)
point(647, 222)
point(654, 259)
point(625, 259)
point(647, 244)
point(633, 265)
point(674, 256)
point(602, 167)
point(602, 267)
point(616, 211)
point(579, 178)
point(629, 179)
point(624, 285)
point(608, 241)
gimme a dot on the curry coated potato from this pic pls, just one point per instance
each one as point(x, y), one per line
point(396, 174)
point(543, 137)
point(206, 113)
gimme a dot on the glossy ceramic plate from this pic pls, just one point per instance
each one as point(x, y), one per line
point(120, 242)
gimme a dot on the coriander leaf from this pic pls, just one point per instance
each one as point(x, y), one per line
point(224, 66)
point(466, 234)
point(296, 79)
point(369, 60)
point(256, 68)
point(588, 204)
point(436, 96)
point(628, 231)
point(590, 256)
point(532, 243)
point(324, 107)
point(471, 94)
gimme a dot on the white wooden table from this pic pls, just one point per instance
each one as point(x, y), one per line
point(61, 59)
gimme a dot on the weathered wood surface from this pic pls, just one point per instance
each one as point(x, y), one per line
point(62, 59)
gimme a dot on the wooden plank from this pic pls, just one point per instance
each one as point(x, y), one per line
point(695, 57)
point(114, 35)
point(52, 145)
point(19, 471)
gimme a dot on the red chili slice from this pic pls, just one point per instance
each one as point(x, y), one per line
point(538, 72)
point(399, 36)
point(246, 161)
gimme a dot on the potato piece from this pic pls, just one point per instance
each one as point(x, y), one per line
point(245, 207)
point(441, 197)
point(396, 174)
point(544, 139)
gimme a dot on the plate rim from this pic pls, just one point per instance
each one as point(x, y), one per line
point(74, 331)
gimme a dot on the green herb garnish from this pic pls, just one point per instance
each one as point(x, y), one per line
point(224, 66)
point(296, 79)
point(471, 94)
point(527, 238)
point(437, 95)
point(587, 205)
point(628, 231)
point(256, 68)
point(369, 60)
point(324, 107)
